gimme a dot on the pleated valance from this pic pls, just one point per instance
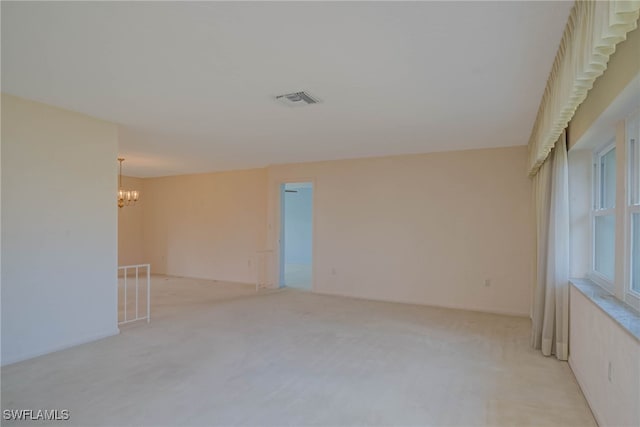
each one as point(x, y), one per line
point(590, 37)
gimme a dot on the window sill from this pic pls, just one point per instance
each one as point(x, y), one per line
point(621, 313)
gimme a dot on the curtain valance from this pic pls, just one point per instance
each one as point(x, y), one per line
point(590, 37)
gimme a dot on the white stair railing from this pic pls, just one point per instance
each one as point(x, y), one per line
point(126, 318)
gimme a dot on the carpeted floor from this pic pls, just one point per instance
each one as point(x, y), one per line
point(220, 354)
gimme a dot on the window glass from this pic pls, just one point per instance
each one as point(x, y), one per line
point(635, 253)
point(633, 209)
point(608, 180)
point(604, 257)
point(634, 168)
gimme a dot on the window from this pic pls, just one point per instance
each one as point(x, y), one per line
point(633, 207)
point(615, 210)
point(604, 218)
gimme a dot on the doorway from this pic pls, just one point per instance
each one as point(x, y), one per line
point(296, 235)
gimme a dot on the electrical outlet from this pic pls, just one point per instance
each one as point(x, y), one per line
point(487, 283)
point(333, 271)
point(249, 263)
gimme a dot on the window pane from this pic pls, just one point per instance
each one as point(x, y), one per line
point(605, 245)
point(635, 253)
point(634, 171)
point(608, 180)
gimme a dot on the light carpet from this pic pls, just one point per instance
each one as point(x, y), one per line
point(221, 354)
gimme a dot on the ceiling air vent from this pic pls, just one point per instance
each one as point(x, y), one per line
point(297, 99)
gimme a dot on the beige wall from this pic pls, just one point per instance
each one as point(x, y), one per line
point(59, 228)
point(596, 342)
point(623, 67)
point(130, 226)
point(424, 229)
point(206, 225)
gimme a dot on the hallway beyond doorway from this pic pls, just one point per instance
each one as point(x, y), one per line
point(296, 235)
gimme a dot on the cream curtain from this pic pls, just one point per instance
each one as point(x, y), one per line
point(550, 331)
point(590, 37)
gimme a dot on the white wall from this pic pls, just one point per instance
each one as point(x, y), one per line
point(424, 229)
point(59, 229)
point(595, 341)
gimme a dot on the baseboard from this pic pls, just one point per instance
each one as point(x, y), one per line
point(576, 375)
point(397, 301)
point(451, 307)
point(232, 282)
point(84, 340)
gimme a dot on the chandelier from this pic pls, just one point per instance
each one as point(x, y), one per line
point(125, 197)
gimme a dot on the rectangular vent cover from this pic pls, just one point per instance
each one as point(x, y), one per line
point(297, 99)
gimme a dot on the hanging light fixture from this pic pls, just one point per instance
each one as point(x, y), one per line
point(125, 197)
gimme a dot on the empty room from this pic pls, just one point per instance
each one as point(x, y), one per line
point(315, 213)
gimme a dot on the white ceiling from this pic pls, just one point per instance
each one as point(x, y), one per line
point(192, 84)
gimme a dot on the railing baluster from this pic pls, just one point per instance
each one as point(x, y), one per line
point(136, 292)
point(125, 270)
point(148, 293)
point(125, 294)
